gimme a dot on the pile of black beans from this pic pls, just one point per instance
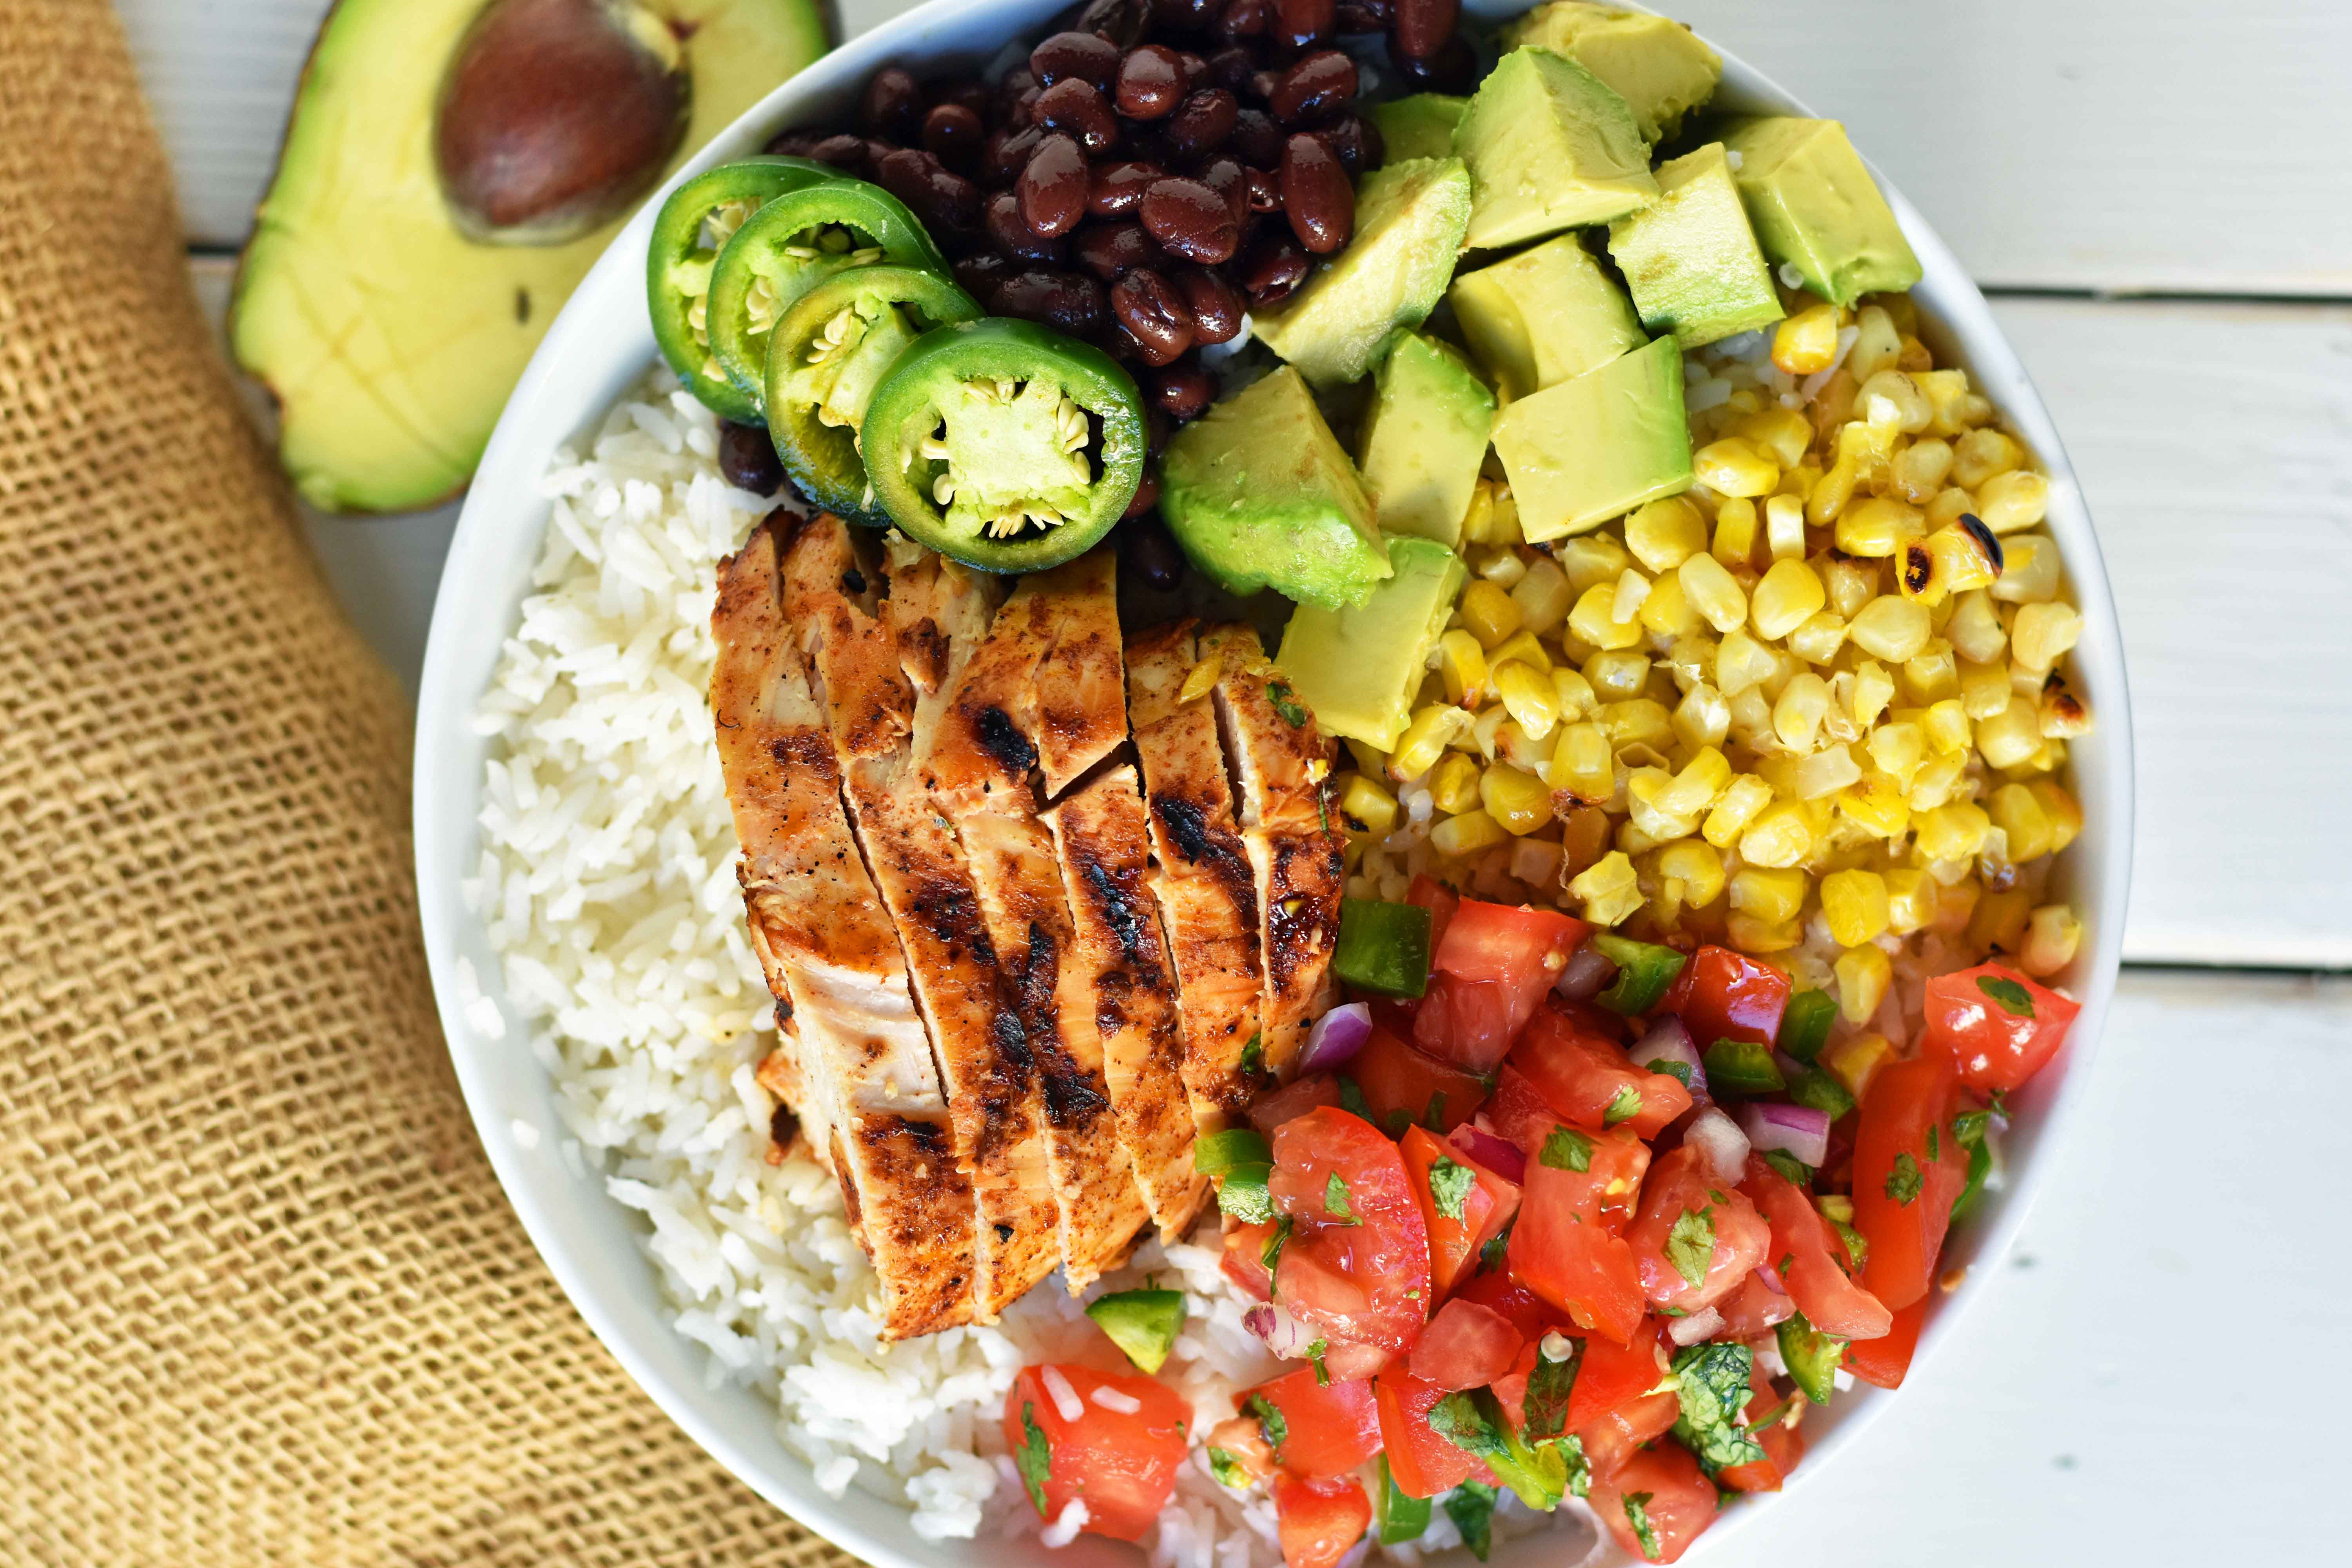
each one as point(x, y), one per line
point(1157, 169)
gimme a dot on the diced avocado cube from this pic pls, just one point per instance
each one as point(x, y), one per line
point(1690, 257)
point(1358, 669)
point(1815, 207)
point(1261, 495)
point(1409, 218)
point(1660, 67)
point(1544, 316)
point(1423, 439)
point(1142, 1323)
point(1549, 147)
point(1589, 449)
point(1420, 126)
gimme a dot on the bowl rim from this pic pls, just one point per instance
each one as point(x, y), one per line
point(445, 788)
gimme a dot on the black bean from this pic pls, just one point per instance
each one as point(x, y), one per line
point(1150, 82)
point(1302, 24)
point(1216, 308)
point(1112, 250)
point(1119, 22)
point(794, 143)
point(1226, 177)
point(1315, 195)
point(1202, 123)
point(1265, 190)
point(1452, 69)
point(1273, 269)
point(1053, 188)
point(947, 202)
point(980, 277)
point(1067, 302)
point(972, 95)
point(1012, 235)
point(1425, 26)
point(952, 134)
point(1150, 550)
point(1190, 219)
point(850, 154)
point(1076, 109)
point(1314, 89)
point(892, 105)
point(1080, 55)
point(748, 459)
point(1007, 153)
point(1362, 16)
point(1024, 108)
point(1194, 68)
point(1354, 140)
point(1231, 69)
point(1256, 138)
point(1149, 307)
point(1009, 88)
point(1182, 391)
point(1263, 83)
point(1156, 428)
point(1184, 16)
point(1118, 185)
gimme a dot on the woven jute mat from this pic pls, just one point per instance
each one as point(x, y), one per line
point(261, 1300)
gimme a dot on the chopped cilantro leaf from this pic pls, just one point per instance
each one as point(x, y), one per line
point(1934, 1142)
point(1626, 1105)
point(1227, 1465)
point(1471, 1507)
point(1567, 1150)
point(1970, 1126)
point(1315, 1354)
point(1252, 1060)
point(1449, 1186)
point(1637, 1514)
point(1432, 1116)
point(1490, 1256)
point(1690, 1244)
point(1789, 1165)
point(1272, 1252)
point(1679, 1071)
point(1712, 1383)
point(1352, 1097)
point(1335, 1201)
point(1903, 1182)
point(2006, 995)
point(1570, 1450)
point(1293, 712)
point(1035, 1458)
point(1474, 1424)
point(1270, 1421)
point(1545, 1410)
point(1856, 1247)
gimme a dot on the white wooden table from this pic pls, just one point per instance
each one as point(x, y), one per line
point(2157, 195)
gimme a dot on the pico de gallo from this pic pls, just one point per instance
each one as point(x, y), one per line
point(1556, 1227)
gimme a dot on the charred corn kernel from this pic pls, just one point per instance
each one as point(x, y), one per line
point(1631, 589)
point(2010, 738)
point(2009, 503)
point(1749, 935)
point(1524, 647)
point(1576, 698)
point(1742, 662)
point(1789, 596)
point(2064, 716)
point(1617, 674)
point(1702, 718)
point(1542, 597)
point(1644, 787)
point(1609, 888)
point(1202, 678)
point(1919, 470)
point(1454, 783)
point(1477, 522)
point(1879, 526)
point(1371, 761)
point(1431, 730)
point(1948, 390)
point(1955, 904)
point(1855, 1060)
point(1797, 716)
point(1662, 534)
point(1864, 974)
point(1503, 521)
point(1818, 637)
point(1898, 748)
point(1363, 801)
point(1936, 778)
point(1827, 501)
point(1892, 400)
point(1932, 674)
point(2043, 634)
point(1877, 344)
point(1855, 904)
point(2062, 810)
point(1486, 732)
point(1594, 619)
point(1667, 612)
point(1982, 455)
point(2030, 572)
point(1949, 507)
point(1741, 799)
point(1462, 663)
point(1780, 835)
point(1852, 583)
point(1975, 630)
point(1502, 567)
point(1736, 523)
point(1466, 835)
point(1984, 690)
point(1527, 694)
point(1954, 832)
point(2019, 815)
point(1911, 896)
point(1998, 923)
point(1875, 803)
point(1519, 802)
point(1946, 725)
point(1780, 433)
point(1710, 589)
point(1697, 866)
point(1970, 556)
point(1874, 688)
point(1735, 466)
point(1489, 613)
point(1890, 627)
point(1521, 750)
point(1583, 765)
point(1703, 779)
point(1806, 344)
point(1769, 895)
point(1642, 721)
point(2052, 935)
point(1590, 559)
point(1784, 528)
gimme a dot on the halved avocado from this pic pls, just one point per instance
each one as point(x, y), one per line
point(390, 340)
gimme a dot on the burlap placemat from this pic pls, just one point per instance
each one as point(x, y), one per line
point(261, 1300)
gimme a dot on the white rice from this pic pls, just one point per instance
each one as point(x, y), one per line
point(607, 887)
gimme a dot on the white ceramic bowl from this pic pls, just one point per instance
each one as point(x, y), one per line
point(600, 344)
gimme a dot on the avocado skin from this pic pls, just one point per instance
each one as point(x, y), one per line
point(390, 340)
point(1260, 495)
point(1358, 669)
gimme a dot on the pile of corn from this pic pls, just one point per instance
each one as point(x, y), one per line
point(1813, 709)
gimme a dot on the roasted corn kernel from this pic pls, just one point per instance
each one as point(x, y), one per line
point(1875, 804)
point(1864, 974)
point(2009, 503)
point(1698, 865)
point(1542, 597)
point(1735, 466)
point(1583, 765)
point(1789, 596)
point(1489, 612)
point(1954, 832)
point(1998, 920)
point(1911, 896)
point(1735, 532)
point(2062, 810)
point(1466, 835)
point(1432, 729)
point(1780, 835)
point(1463, 665)
point(2052, 935)
point(1366, 804)
point(1610, 888)
point(1741, 799)
point(1752, 935)
point(1527, 695)
point(1806, 344)
point(1519, 802)
point(1854, 904)
point(1524, 647)
point(1769, 894)
point(1662, 534)
point(1454, 783)
point(1594, 619)
point(1855, 1060)
point(1890, 627)
point(1880, 526)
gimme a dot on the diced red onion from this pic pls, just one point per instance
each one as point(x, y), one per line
point(1698, 1326)
point(1506, 1158)
point(1588, 974)
point(1285, 1336)
point(1338, 1035)
point(1798, 1129)
point(1771, 1280)
point(1720, 1142)
point(1669, 1041)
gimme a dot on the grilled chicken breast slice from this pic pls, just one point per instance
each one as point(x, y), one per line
point(917, 863)
point(1117, 974)
point(1207, 889)
point(832, 959)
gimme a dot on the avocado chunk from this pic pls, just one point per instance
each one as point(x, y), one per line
point(1261, 495)
point(1357, 670)
point(390, 339)
point(1660, 67)
point(1549, 147)
point(1589, 449)
point(1544, 316)
point(1142, 1323)
point(1815, 208)
point(1410, 217)
point(1420, 126)
point(1690, 257)
point(1421, 441)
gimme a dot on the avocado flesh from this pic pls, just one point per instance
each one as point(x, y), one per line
point(1691, 258)
point(1409, 218)
point(1260, 494)
point(1544, 316)
point(1589, 449)
point(1549, 147)
point(1358, 669)
point(1659, 67)
point(1423, 439)
point(1815, 207)
point(1419, 126)
point(390, 340)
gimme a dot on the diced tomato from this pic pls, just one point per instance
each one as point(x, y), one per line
point(1582, 1077)
point(1996, 1026)
point(1518, 1113)
point(1613, 1377)
point(1346, 1359)
point(1736, 1235)
point(1276, 1106)
point(1725, 995)
point(1319, 1520)
point(1123, 1463)
point(1326, 1429)
point(1245, 1445)
point(1440, 900)
point(1466, 1345)
point(1567, 1245)
point(1519, 950)
point(1675, 1502)
point(1355, 1266)
point(1470, 1022)
point(1884, 1360)
point(1609, 1442)
point(1755, 1307)
point(1527, 1311)
point(1245, 1259)
point(1403, 1086)
point(1903, 1190)
point(1422, 1463)
point(1805, 1253)
point(1783, 1446)
point(1487, 1206)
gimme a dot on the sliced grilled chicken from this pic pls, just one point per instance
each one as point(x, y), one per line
point(1116, 973)
point(1280, 760)
point(832, 958)
point(917, 863)
point(977, 746)
point(1202, 873)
